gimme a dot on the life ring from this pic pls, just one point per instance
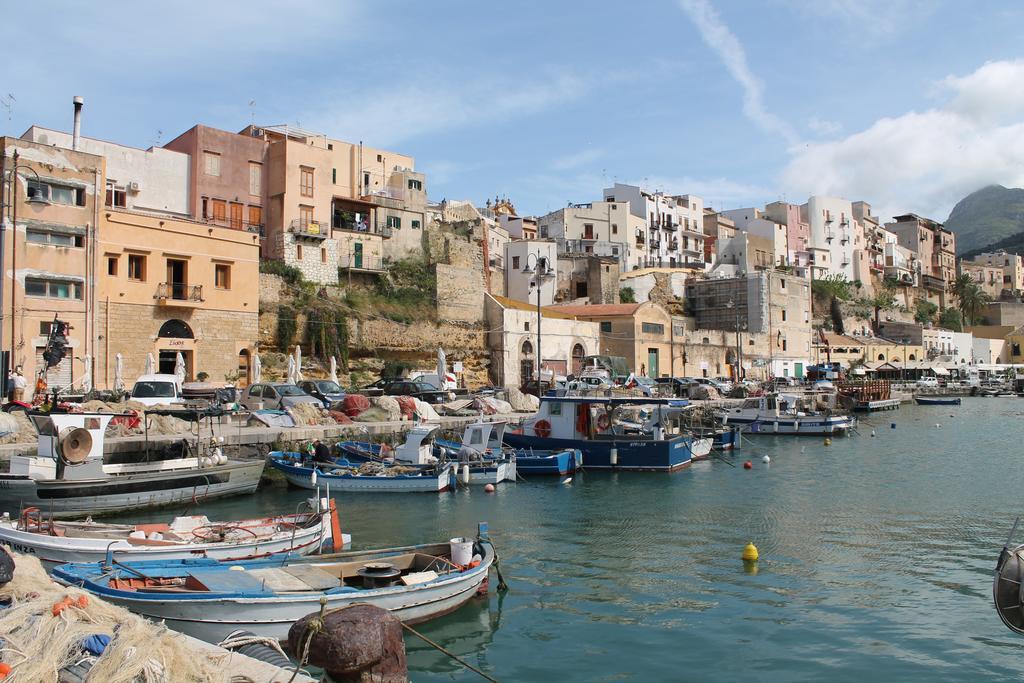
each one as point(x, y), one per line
point(603, 422)
point(542, 428)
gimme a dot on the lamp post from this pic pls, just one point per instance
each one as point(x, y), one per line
point(731, 305)
point(541, 273)
point(9, 200)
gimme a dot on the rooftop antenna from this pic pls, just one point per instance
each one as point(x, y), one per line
point(252, 112)
point(159, 135)
point(8, 101)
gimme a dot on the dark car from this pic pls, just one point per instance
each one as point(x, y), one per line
point(377, 388)
point(678, 387)
point(324, 389)
point(427, 393)
point(276, 396)
point(531, 386)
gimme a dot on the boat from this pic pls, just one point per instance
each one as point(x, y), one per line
point(480, 453)
point(788, 414)
point(526, 461)
point(208, 599)
point(70, 477)
point(57, 542)
point(373, 477)
point(937, 400)
point(612, 432)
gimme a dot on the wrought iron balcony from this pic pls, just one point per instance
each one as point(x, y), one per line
point(312, 229)
point(360, 263)
point(934, 283)
point(179, 294)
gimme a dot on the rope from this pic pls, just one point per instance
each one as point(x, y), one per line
point(454, 656)
point(239, 642)
point(314, 627)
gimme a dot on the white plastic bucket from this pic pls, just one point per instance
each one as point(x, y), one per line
point(462, 550)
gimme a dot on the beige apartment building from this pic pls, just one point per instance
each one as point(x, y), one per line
point(602, 228)
point(49, 221)
point(988, 277)
point(641, 333)
point(935, 247)
point(169, 286)
point(1011, 265)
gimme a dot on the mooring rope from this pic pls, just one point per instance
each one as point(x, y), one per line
point(454, 656)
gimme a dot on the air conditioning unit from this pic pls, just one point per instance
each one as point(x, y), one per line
point(133, 186)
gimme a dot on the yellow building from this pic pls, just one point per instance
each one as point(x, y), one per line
point(52, 205)
point(169, 286)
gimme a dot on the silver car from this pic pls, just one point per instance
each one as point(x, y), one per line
point(276, 397)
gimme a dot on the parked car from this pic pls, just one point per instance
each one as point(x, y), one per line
point(324, 389)
point(377, 388)
point(722, 387)
point(532, 386)
point(427, 393)
point(645, 385)
point(932, 382)
point(678, 387)
point(276, 396)
point(157, 390)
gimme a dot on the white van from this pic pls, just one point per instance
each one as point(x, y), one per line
point(450, 382)
point(157, 390)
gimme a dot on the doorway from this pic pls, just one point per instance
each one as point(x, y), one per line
point(177, 278)
point(652, 362)
point(168, 358)
point(357, 255)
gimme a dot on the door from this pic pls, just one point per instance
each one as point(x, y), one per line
point(177, 279)
point(236, 215)
point(219, 210)
point(798, 370)
point(652, 362)
point(357, 259)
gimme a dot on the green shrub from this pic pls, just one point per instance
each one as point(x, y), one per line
point(627, 296)
point(286, 328)
point(289, 274)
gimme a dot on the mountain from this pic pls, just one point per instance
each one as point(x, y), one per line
point(986, 217)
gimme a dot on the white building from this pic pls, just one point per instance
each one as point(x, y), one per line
point(154, 180)
point(757, 223)
point(833, 236)
point(520, 286)
point(599, 228)
point(674, 225)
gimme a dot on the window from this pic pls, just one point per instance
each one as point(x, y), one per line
point(56, 239)
point(211, 163)
point(526, 326)
point(784, 345)
point(206, 202)
point(255, 178)
point(415, 225)
point(782, 284)
point(222, 276)
point(306, 182)
point(305, 215)
point(705, 340)
point(515, 263)
point(117, 197)
point(112, 266)
point(783, 315)
point(54, 289)
point(136, 267)
point(606, 326)
point(236, 215)
point(298, 252)
point(220, 210)
point(334, 176)
point(394, 222)
point(380, 158)
point(415, 184)
point(56, 194)
point(255, 217)
point(323, 255)
point(527, 348)
point(652, 328)
point(615, 229)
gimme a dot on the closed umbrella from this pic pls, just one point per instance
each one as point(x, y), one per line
point(150, 365)
point(257, 369)
point(118, 373)
point(179, 368)
point(298, 363)
point(442, 367)
point(291, 370)
point(334, 370)
point(87, 375)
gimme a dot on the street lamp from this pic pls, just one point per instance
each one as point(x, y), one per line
point(731, 305)
point(543, 272)
point(8, 188)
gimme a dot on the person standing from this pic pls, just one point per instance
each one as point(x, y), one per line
point(19, 383)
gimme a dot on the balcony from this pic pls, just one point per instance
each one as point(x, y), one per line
point(497, 262)
point(936, 284)
point(179, 294)
point(235, 224)
point(670, 226)
point(390, 198)
point(640, 240)
point(844, 237)
point(357, 263)
point(830, 234)
point(312, 229)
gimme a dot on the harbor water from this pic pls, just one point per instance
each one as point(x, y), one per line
point(876, 560)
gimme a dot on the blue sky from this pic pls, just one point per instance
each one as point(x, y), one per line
point(907, 104)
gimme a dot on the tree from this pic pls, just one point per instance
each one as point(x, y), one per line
point(835, 285)
point(950, 319)
point(972, 300)
point(884, 300)
point(836, 313)
point(924, 311)
point(626, 296)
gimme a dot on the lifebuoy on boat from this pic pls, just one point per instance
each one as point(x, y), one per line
point(603, 422)
point(542, 428)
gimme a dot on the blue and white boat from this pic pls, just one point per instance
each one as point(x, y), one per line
point(208, 599)
point(623, 433)
point(561, 462)
point(479, 454)
point(342, 475)
point(788, 414)
point(937, 400)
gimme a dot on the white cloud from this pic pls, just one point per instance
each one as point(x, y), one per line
point(871, 20)
point(926, 161)
point(719, 38)
point(577, 159)
point(824, 127)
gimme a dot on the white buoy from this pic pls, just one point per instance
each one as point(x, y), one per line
point(803, 449)
point(567, 481)
point(766, 460)
point(937, 425)
point(872, 432)
point(464, 474)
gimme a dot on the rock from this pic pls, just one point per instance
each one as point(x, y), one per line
point(361, 643)
point(6, 567)
point(522, 403)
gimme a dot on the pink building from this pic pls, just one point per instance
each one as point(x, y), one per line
point(798, 232)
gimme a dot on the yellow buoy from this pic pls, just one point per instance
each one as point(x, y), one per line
point(750, 553)
point(828, 442)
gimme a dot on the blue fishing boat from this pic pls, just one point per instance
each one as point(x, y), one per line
point(342, 475)
point(937, 400)
point(527, 461)
point(624, 433)
point(558, 462)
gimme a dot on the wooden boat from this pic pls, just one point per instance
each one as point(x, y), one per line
point(57, 542)
point(208, 600)
point(343, 475)
point(787, 414)
point(609, 439)
point(70, 477)
point(937, 400)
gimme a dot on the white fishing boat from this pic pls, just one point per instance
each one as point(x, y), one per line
point(480, 452)
point(786, 414)
point(57, 542)
point(367, 477)
point(70, 477)
point(208, 600)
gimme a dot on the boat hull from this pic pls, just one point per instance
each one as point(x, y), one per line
point(726, 439)
point(303, 478)
point(118, 493)
point(811, 426)
point(559, 463)
point(663, 456)
point(928, 401)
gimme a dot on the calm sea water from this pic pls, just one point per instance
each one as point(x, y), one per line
point(876, 560)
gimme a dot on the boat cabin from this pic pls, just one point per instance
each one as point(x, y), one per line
point(418, 448)
point(70, 447)
point(596, 417)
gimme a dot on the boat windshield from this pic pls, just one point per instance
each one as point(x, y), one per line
point(150, 389)
point(328, 387)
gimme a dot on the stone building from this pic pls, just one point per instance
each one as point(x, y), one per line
point(587, 278)
point(935, 248)
point(602, 228)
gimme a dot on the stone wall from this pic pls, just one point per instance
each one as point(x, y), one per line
point(460, 294)
point(270, 289)
point(313, 264)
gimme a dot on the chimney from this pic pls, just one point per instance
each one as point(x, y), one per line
point(76, 135)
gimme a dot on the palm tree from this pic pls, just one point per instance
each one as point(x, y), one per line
point(972, 299)
point(961, 285)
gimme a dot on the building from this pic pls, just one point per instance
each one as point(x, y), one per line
point(988, 277)
point(640, 333)
point(744, 253)
point(1012, 267)
point(875, 238)
point(168, 286)
point(901, 264)
point(717, 229)
point(51, 211)
point(798, 232)
point(1004, 313)
point(674, 225)
point(601, 228)
point(513, 341)
point(523, 254)
point(990, 345)
point(755, 222)
point(935, 248)
point(939, 343)
point(587, 278)
point(833, 233)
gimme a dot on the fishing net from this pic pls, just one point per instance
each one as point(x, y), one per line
point(44, 627)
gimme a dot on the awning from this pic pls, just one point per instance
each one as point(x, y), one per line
point(939, 370)
point(860, 371)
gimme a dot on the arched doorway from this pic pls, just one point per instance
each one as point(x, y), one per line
point(730, 361)
point(526, 362)
point(577, 358)
point(175, 336)
point(244, 368)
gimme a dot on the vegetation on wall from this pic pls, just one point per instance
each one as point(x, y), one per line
point(289, 274)
point(950, 319)
point(832, 286)
point(627, 296)
point(924, 311)
point(286, 328)
point(836, 313)
point(327, 332)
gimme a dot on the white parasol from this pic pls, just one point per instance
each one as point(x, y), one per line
point(334, 370)
point(291, 370)
point(179, 368)
point(298, 363)
point(257, 369)
point(150, 365)
point(118, 373)
point(87, 374)
point(442, 367)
